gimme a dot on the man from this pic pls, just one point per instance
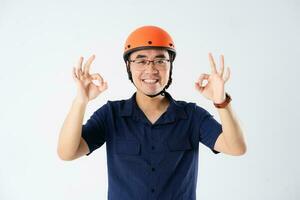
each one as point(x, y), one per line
point(152, 140)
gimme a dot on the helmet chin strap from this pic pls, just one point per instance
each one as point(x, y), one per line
point(162, 92)
point(154, 95)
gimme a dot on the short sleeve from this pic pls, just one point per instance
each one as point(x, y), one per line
point(209, 129)
point(94, 130)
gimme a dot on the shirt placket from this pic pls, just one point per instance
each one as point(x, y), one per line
point(154, 149)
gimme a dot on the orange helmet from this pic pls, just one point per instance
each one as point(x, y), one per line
point(148, 37)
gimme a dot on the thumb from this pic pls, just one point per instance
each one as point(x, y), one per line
point(103, 86)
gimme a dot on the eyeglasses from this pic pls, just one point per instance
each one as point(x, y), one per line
point(141, 64)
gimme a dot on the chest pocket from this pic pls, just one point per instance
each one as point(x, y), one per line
point(179, 145)
point(127, 147)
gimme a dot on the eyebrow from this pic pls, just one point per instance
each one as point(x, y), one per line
point(144, 56)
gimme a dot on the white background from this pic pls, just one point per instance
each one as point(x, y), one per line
point(40, 41)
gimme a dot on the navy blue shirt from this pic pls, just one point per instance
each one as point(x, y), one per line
point(151, 161)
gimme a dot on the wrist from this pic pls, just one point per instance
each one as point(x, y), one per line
point(220, 100)
point(80, 101)
point(225, 102)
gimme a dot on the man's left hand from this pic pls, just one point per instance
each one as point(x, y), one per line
point(214, 88)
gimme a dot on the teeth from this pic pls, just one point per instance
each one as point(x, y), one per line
point(150, 81)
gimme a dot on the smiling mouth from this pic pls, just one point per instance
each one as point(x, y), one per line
point(150, 81)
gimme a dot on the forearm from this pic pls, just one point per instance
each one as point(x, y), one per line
point(70, 134)
point(232, 131)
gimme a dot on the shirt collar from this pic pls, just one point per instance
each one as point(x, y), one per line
point(175, 111)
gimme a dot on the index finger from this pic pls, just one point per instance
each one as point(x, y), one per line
point(97, 77)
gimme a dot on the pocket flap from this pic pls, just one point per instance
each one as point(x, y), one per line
point(179, 145)
point(129, 147)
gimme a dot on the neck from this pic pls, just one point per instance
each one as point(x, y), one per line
point(151, 104)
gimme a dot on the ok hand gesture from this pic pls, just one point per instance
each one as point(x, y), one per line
point(214, 89)
point(86, 89)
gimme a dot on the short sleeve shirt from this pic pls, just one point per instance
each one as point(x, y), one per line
point(151, 161)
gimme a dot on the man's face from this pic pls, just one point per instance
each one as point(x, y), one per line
point(151, 78)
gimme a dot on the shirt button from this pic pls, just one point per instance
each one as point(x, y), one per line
point(152, 190)
point(153, 169)
point(153, 147)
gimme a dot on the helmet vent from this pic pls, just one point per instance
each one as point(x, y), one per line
point(171, 44)
point(128, 46)
point(149, 42)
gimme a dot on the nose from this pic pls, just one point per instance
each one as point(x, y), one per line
point(151, 67)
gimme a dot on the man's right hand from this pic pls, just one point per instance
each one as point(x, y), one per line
point(86, 89)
